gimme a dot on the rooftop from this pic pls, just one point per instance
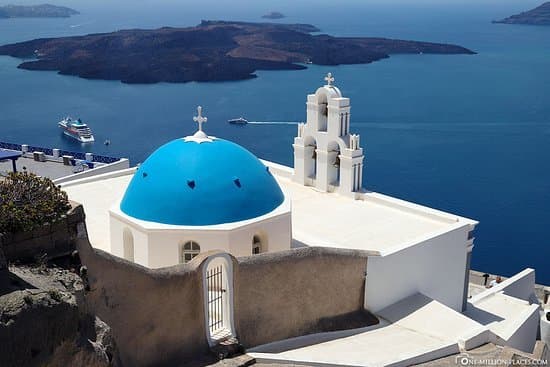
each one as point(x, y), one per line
point(322, 219)
point(56, 164)
point(97, 197)
point(48, 169)
point(371, 228)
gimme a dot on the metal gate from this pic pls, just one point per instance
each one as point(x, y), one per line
point(216, 301)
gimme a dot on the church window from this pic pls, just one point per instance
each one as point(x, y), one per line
point(256, 245)
point(189, 251)
point(323, 118)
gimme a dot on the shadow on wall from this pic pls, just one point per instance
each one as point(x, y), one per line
point(158, 316)
point(297, 292)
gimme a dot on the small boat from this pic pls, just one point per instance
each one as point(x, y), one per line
point(76, 129)
point(239, 121)
point(107, 142)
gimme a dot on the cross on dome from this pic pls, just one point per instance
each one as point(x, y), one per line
point(329, 79)
point(200, 118)
point(199, 136)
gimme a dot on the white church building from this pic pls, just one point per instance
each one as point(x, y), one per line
point(196, 194)
point(200, 193)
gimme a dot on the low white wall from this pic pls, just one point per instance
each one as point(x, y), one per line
point(525, 336)
point(521, 285)
point(123, 163)
point(278, 169)
point(101, 177)
point(434, 267)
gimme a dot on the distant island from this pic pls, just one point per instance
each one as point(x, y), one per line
point(538, 16)
point(211, 51)
point(273, 15)
point(36, 11)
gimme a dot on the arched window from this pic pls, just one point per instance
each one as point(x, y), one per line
point(256, 245)
point(128, 244)
point(322, 115)
point(310, 158)
point(189, 250)
point(333, 170)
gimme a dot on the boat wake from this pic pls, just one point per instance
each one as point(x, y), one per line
point(273, 122)
point(81, 24)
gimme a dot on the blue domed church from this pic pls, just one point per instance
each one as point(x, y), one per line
point(196, 194)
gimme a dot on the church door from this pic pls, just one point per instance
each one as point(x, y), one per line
point(219, 298)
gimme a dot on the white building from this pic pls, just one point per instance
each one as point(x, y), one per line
point(202, 193)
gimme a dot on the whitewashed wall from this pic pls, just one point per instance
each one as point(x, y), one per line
point(525, 336)
point(121, 164)
point(161, 248)
point(434, 267)
point(141, 251)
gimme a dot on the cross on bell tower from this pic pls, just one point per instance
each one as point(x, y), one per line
point(200, 118)
point(329, 79)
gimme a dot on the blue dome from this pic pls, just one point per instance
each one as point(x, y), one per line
point(187, 183)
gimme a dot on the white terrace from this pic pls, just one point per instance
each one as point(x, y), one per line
point(377, 224)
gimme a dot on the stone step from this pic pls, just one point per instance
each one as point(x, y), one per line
point(227, 348)
point(242, 360)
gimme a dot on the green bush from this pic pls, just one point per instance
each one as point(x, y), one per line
point(28, 201)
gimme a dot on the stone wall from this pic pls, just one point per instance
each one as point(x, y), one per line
point(55, 239)
point(297, 292)
point(157, 316)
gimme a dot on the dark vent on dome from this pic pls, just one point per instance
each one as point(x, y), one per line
point(237, 182)
point(191, 184)
point(144, 174)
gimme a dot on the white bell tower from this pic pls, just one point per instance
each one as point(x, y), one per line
point(326, 155)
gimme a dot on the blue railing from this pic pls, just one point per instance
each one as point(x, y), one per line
point(48, 151)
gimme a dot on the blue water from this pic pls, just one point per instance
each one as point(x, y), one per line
point(466, 134)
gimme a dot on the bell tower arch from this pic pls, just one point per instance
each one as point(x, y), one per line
point(326, 138)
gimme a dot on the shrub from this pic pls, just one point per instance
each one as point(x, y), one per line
point(28, 201)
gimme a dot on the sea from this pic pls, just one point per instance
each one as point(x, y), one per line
point(468, 134)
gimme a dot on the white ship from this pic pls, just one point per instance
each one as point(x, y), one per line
point(240, 121)
point(76, 129)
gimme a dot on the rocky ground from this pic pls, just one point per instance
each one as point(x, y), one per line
point(41, 323)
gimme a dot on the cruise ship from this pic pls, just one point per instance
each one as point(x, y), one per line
point(76, 129)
